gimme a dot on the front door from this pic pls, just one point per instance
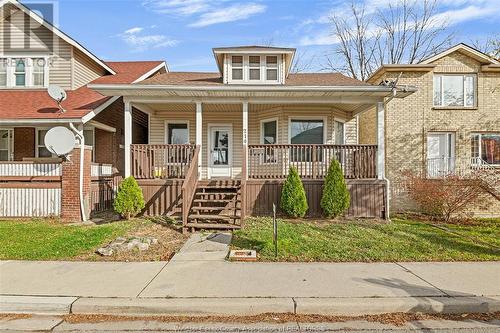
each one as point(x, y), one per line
point(440, 154)
point(220, 151)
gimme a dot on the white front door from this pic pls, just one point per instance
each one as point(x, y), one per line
point(440, 154)
point(220, 151)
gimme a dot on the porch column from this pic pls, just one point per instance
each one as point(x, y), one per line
point(199, 133)
point(380, 140)
point(128, 137)
point(245, 140)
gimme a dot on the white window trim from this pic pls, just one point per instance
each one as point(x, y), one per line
point(246, 69)
point(176, 121)
point(325, 125)
point(463, 75)
point(343, 121)
point(11, 146)
point(11, 79)
point(267, 120)
point(480, 134)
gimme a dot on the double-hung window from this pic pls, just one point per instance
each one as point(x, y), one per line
point(38, 74)
point(455, 90)
point(41, 148)
point(3, 72)
point(177, 133)
point(269, 136)
point(20, 72)
point(485, 148)
point(339, 131)
point(254, 68)
point(237, 68)
point(23, 72)
point(6, 144)
point(272, 68)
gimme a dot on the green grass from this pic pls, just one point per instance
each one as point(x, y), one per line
point(401, 240)
point(52, 240)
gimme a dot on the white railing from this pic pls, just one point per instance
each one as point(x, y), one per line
point(29, 169)
point(101, 170)
point(30, 202)
point(441, 167)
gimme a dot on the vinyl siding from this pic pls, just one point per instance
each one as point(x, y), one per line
point(231, 114)
point(84, 69)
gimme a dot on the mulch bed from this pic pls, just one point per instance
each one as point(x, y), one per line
point(397, 319)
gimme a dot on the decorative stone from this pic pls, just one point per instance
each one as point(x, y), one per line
point(123, 244)
point(143, 246)
point(105, 251)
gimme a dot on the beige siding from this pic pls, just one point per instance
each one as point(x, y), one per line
point(84, 69)
point(231, 114)
point(41, 40)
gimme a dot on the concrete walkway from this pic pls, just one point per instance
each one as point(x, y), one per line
point(200, 271)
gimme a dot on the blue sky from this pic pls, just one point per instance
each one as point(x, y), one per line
point(183, 32)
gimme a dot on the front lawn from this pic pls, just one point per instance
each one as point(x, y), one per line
point(46, 239)
point(370, 241)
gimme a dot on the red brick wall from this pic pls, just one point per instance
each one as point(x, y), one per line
point(70, 183)
point(24, 142)
point(104, 144)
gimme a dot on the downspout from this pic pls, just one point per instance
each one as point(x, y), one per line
point(81, 138)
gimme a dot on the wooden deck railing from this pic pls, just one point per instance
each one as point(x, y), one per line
point(189, 186)
point(161, 161)
point(311, 161)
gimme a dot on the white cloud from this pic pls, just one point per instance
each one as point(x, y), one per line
point(318, 39)
point(228, 14)
point(205, 12)
point(142, 42)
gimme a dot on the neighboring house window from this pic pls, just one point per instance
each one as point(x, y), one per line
point(271, 68)
point(3, 72)
point(254, 68)
point(42, 151)
point(485, 148)
point(455, 90)
point(6, 144)
point(237, 68)
point(177, 133)
point(306, 132)
point(20, 72)
point(339, 128)
point(269, 132)
point(38, 72)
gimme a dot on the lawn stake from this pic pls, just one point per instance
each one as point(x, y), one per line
point(275, 232)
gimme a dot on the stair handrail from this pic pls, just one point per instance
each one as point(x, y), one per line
point(189, 187)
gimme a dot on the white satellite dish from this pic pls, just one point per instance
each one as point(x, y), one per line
point(59, 140)
point(57, 94)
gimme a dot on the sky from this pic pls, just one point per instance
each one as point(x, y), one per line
point(183, 32)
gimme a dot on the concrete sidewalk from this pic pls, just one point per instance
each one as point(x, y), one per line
point(198, 279)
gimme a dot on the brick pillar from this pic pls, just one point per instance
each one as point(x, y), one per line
point(70, 204)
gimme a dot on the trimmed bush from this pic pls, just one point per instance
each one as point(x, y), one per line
point(129, 200)
point(293, 195)
point(336, 198)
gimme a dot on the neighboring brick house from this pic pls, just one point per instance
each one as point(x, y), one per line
point(450, 124)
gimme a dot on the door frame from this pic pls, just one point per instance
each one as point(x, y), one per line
point(451, 146)
point(210, 127)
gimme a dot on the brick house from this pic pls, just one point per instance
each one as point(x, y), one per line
point(450, 125)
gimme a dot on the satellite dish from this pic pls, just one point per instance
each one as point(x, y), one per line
point(58, 94)
point(59, 140)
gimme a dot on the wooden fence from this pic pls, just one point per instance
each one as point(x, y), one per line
point(30, 189)
point(311, 161)
point(161, 161)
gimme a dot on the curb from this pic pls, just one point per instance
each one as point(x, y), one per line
point(246, 306)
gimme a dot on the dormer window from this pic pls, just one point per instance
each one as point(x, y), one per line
point(271, 68)
point(237, 68)
point(254, 68)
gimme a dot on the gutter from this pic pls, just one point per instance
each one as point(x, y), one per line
point(82, 160)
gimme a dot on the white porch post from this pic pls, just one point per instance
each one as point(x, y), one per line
point(245, 140)
point(199, 133)
point(380, 140)
point(128, 137)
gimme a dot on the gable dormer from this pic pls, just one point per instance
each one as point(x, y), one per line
point(254, 65)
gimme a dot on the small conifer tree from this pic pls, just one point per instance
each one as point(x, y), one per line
point(336, 198)
point(129, 200)
point(293, 195)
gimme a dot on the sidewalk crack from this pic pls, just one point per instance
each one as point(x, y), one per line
point(421, 278)
point(154, 277)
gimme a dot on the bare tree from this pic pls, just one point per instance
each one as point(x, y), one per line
point(489, 45)
point(302, 62)
point(405, 32)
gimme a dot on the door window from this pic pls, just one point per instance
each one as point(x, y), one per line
point(220, 147)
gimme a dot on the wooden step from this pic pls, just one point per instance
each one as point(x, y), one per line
point(220, 208)
point(216, 200)
point(213, 217)
point(216, 193)
point(212, 226)
point(215, 187)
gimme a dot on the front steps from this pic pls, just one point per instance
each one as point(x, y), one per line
point(216, 205)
